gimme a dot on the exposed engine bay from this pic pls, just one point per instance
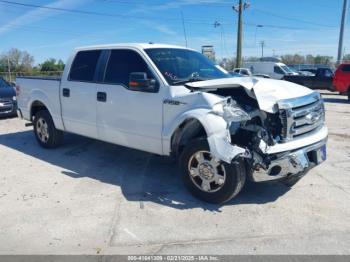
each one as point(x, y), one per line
point(250, 128)
point(255, 126)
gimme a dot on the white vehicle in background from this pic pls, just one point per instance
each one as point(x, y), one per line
point(243, 71)
point(247, 72)
point(173, 101)
point(275, 70)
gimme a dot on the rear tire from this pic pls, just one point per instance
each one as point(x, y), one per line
point(45, 131)
point(349, 94)
point(209, 179)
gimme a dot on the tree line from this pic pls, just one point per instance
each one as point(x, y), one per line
point(17, 62)
point(20, 62)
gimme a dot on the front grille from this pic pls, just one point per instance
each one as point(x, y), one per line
point(6, 105)
point(6, 101)
point(301, 116)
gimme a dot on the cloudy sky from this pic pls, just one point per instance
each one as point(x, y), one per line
point(288, 26)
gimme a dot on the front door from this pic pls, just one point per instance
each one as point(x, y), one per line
point(125, 117)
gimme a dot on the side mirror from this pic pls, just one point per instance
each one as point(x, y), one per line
point(138, 81)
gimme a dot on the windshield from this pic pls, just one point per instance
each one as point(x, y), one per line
point(179, 66)
point(293, 70)
point(286, 69)
point(3, 83)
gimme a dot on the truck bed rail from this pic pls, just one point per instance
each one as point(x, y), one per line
point(54, 78)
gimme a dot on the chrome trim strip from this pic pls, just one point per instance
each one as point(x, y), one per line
point(301, 116)
point(297, 143)
point(298, 102)
point(305, 129)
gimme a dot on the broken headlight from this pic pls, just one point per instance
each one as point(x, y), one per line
point(231, 111)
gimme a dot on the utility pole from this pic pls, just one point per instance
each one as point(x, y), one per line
point(262, 44)
point(341, 35)
point(239, 9)
point(9, 68)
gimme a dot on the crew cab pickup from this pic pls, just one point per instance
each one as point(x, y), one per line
point(322, 79)
point(341, 81)
point(173, 101)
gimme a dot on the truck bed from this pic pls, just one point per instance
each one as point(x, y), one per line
point(45, 89)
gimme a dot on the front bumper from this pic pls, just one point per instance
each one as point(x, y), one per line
point(292, 163)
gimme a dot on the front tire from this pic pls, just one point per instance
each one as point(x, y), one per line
point(349, 94)
point(292, 180)
point(208, 178)
point(45, 131)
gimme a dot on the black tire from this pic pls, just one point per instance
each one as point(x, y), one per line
point(54, 136)
point(349, 94)
point(234, 181)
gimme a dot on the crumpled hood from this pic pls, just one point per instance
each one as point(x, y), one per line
point(266, 91)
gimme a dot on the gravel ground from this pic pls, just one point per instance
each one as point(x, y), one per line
point(90, 197)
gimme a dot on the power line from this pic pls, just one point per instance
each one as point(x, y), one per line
point(141, 3)
point(193, 21)
point(103, 14)
point(77, 11)
point(292, 19)
point(118, 16)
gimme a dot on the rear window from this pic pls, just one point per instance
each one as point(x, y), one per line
point(84, 66)
point(346, 68)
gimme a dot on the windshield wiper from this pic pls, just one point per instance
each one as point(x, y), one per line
point(187, 81)
point(191, 79)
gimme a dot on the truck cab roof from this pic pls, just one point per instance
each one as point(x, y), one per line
point(129, 45)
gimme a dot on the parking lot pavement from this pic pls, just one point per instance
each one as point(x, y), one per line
point(89, 197)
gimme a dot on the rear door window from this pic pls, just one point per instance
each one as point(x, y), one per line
point(84, 66)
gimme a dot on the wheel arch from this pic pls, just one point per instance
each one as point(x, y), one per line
point(37, 106)
point(39, 100)
point(189, 129)
point(208, 125)
point(196, 123)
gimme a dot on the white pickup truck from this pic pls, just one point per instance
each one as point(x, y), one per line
point(173, 101)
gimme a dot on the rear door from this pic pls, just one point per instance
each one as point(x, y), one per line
point(323, 79)
point(78, 94)
point(125, 117)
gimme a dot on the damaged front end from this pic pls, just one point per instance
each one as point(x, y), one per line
point(275, 146)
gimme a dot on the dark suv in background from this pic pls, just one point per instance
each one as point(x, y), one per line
point(8, 101)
